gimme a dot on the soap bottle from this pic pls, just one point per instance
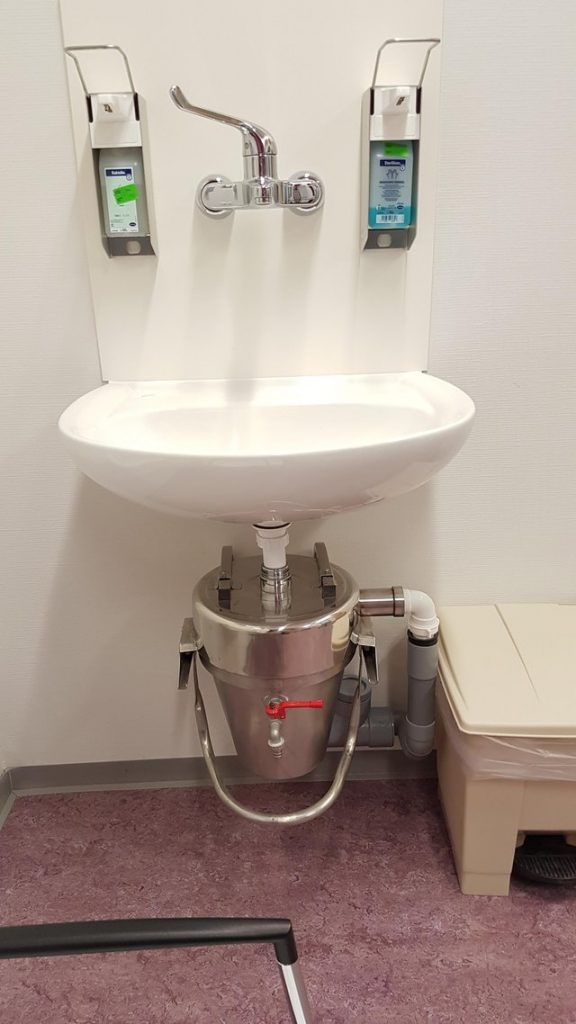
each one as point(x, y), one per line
point(123, 192)
point(391, 179)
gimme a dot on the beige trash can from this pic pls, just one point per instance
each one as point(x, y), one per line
point(506, 733)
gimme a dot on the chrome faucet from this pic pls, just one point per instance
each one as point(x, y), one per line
point(261, 187)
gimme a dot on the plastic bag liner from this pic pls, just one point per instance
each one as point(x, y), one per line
point(509, 757)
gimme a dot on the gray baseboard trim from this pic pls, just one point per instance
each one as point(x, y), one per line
point(183, 771)
point(6, 796)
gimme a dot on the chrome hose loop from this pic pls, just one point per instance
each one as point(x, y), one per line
point(293, 817)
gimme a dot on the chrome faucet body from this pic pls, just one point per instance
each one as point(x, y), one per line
point(261, 188)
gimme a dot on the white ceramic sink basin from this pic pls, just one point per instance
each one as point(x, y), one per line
point(276, 449)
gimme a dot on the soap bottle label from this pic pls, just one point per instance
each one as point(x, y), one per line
point(391, 170)
point(121, 196)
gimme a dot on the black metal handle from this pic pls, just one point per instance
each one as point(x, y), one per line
point(146, 933)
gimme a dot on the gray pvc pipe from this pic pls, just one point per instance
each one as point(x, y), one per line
point(417, 726)
point(377, 725)
point(377, 729)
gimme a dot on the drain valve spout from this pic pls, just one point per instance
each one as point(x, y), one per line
point(276, 710)
point(276, 739)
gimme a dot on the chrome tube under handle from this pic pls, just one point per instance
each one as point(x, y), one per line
point(294, 817)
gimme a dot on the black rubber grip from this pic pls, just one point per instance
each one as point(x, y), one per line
point(146, 933)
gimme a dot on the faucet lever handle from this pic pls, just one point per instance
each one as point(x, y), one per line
point(258, 143)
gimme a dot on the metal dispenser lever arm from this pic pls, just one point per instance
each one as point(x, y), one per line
point(433, 40)
point(71, 51)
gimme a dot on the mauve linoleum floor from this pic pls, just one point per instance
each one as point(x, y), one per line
point(384, 934)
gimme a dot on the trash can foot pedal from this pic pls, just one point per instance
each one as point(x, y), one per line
point(547, 859)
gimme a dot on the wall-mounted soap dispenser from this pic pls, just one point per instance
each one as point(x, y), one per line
point(117, 146)
point(390, 158)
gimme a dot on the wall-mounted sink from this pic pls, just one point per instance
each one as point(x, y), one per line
point(271, 449)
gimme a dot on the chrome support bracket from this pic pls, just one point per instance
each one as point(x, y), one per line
point(190, 644)
point(366, 642)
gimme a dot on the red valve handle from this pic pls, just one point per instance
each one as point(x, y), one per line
point(279, 708)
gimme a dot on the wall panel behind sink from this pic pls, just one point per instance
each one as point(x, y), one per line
point(260, 293)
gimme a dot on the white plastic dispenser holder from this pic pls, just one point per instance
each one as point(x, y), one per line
point(117, 145)
point(390, 148)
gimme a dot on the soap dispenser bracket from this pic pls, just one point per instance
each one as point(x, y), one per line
point(115, 128)
point(261, 188)
point(390, 153)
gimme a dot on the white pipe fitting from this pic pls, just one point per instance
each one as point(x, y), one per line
point(273, 542)
point(421, 614)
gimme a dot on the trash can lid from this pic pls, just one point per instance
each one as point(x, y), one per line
point(510, 670)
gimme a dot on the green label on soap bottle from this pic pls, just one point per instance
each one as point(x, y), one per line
point(125, 194)
point(395, 148)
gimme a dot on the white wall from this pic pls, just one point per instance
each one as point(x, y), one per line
point(93, 589)
point(268, 294)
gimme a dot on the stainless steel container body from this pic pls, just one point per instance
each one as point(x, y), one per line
point(258, 654)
